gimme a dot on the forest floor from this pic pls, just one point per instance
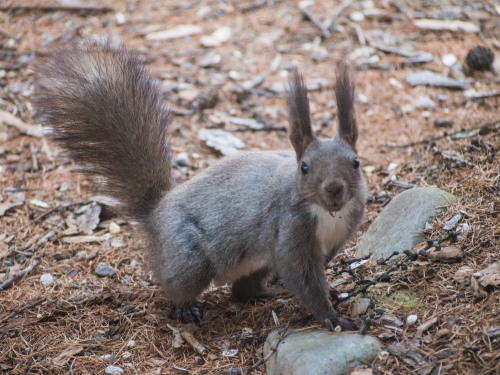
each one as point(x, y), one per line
point(60, 317)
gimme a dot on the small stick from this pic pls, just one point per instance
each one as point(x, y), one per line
point(31, 130)
point(257, 4)
point(55, 7)
point(490, 126)
point(17, 104)
point(67, 34)
point(59, 208)
point(22, 308)
point(192, 341)
point(7, 283)
point(271, 351)
point(315, 20)
point(344, 5)
point(34, 159)
point(359, 33)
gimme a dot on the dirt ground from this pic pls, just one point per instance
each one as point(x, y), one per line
point(80, 323)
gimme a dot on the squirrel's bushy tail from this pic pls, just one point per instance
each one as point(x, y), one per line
point(105, 109)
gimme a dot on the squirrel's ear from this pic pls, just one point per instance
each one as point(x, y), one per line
point(344, 93)
point(299, 117)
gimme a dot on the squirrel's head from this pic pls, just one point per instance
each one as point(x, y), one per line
point(328, 170)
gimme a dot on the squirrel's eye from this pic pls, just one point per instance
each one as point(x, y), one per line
point(356, 163)
point(304, 168)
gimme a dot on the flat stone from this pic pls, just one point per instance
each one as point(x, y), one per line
point(399, 226)
point(317, 352)
point(104, 270)
point(429, 78)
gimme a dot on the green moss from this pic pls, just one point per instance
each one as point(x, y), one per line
point(403, 298)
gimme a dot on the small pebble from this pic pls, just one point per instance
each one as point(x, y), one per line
point(126, 355)
point(39, 203)
point(120, 18)
point(104, 270)
point(392, 167)
point(357, 16)
point(426, 114)
point(131, 343)
point(449, 59)
point(386, 336)
point(114, 228)
point(113, 370)
point(362, 98)
point(343, 296)
point(46, 279)
point(229, 353)
point(411, 319)
point(425, 102)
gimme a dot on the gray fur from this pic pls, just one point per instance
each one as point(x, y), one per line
point(248, 215)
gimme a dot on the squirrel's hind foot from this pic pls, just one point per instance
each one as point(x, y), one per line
point(346, 323)
point(188, 313)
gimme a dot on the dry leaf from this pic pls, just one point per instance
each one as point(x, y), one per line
point(462, 276)
point(490, 276)
point(4, 207)
point(66, 355)
point(476, 290)
point(89, 220)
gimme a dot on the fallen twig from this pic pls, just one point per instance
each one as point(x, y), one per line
point(197, 346)
point(11, 280)
point(458, 134)
point(258, 4)
point(398, 264)
point(19, 310)
point(315, 20)
point(31, 130)
point(66, 35)
point(59, 208)
point(76, 7)
point(272, 350)
point(455, 161)
point(343, 6)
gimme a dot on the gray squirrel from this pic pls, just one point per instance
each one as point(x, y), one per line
point(248, 215)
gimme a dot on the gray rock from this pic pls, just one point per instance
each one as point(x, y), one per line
point(104, 270)
point(319, 352)
point(399, 225)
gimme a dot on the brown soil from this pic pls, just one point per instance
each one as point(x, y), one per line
point(68, 325)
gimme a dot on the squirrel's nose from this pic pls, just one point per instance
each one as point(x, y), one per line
point(335, 189)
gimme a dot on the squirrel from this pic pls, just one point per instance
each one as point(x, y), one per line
point(246, 216)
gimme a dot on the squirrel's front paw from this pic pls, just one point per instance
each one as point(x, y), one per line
point(188, 313)
point(346, 323)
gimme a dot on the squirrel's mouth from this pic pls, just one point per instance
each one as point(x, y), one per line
point(332, 206)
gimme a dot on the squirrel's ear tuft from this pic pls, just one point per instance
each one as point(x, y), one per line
point(299, 117)
point(344, 93)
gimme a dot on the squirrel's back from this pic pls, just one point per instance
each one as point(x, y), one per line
point(105, 109)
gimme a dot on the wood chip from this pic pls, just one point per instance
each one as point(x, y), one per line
point(63, 358)
point(426, 325)
point(450, 25)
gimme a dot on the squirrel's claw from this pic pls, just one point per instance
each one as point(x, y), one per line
point(188, 314)
point(346, 323)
